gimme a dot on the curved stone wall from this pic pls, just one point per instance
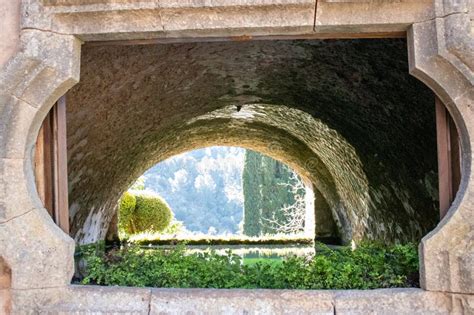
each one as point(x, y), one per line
point(345, 113)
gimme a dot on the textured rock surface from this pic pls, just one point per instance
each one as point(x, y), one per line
point(394, 301)
point(345, 113)
point(120, 300)
point(241, 302)
point(82, 300)
point(38, 236)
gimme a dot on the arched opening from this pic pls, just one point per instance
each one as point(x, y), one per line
point(223, 190)
point(221, 196)
point(347, 159)
point(342, 126)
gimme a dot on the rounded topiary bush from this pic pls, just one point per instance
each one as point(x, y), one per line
point(143, 213)
point(151, 214)
point(127, 205)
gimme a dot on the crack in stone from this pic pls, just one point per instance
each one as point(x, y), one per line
point(315, 14)
point(25, 101)
point(438, 17)
point(17, 216)
point(149, 302)
point(46, 31)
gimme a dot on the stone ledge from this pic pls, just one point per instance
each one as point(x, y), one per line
point(214, 301)
point(76, 299)
point(92, 20)
point(391, 301)
point(96, 20)
point(371, 16)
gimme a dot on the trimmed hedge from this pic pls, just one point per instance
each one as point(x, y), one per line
point(152, 214)
point(369, 266)
point(143, 213)
point(126, 211)
point(221, 241)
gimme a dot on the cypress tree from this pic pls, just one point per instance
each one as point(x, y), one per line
point(266, 191)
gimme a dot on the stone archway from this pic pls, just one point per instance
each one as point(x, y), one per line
point(334, 124)
point(47, 65)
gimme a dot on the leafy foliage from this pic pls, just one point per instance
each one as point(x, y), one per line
point(369, 266)
point(126, 210)
point(142, 213)
point(152, 214)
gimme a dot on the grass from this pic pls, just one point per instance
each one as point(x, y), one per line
point(262, 260)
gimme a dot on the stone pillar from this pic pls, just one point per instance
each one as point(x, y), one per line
point(325, 228)
point(112, 232)
point(309, 223)
point(10, 26)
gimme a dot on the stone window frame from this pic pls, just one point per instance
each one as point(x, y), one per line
point(40, 256)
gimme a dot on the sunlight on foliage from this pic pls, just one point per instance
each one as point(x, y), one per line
point(142, 212)
point(369, 266)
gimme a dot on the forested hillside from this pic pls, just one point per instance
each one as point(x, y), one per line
point(206, 189)
point(203, 188)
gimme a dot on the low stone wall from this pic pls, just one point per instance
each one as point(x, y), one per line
point(119, 300)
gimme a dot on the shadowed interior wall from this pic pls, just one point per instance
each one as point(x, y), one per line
point(344, 113)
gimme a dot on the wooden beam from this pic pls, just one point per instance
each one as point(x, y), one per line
point(449, 164)
point(61, 193)
point(455, 156)
point(44, 165)
point(51, 165)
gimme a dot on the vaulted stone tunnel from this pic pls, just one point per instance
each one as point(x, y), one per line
point(344, 113)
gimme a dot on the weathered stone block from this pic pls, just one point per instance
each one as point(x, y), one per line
point(10, 26)
point(210, 301)
point(364, 16)
point(38, 253)
point(49, 64)
point(391, 301)
point(74, 299)
point(170, 18)
point(462, 304)
point(19, 123)
point(82, 300)
point(18, 193)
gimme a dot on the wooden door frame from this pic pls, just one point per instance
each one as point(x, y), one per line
point(449, 157)
point(51, 164)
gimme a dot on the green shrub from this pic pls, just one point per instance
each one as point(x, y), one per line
point(127, 205)
point(369, 266)
point(151, 214)
point(143, 213)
